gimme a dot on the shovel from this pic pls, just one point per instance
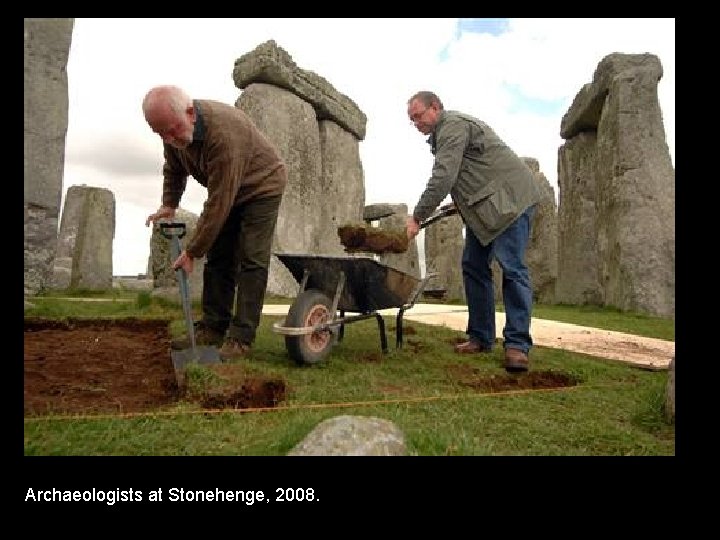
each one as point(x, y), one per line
point(195, 354)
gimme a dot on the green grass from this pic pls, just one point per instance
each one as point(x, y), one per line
point(615, 409)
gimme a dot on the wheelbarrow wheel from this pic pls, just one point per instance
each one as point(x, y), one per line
point(311, 307)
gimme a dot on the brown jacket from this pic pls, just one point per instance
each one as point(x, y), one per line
point(232, 158)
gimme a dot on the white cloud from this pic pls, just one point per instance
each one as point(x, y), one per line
point(378, 63)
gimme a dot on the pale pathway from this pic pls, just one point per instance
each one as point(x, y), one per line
point(648, 353)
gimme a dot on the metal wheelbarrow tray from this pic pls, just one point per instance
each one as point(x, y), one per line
point(346, 284)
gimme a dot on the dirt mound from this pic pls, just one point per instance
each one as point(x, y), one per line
point(364, 238)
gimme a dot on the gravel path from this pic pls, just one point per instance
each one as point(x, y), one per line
point(643, 352)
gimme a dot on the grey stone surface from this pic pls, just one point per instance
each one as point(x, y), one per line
point(291, 125)
point(352, 436)
point(617, 187)
point(164, 279)
point(541, 256)
point(408, 262)
point(325, 177)
point(578, 256)
point(373, 212)
point(586, 109)
point(40, 225)
point(47, 46)
point(342, 185)
point(444, 244)
point(271, 64)
point(85, 240)
point(542, 252)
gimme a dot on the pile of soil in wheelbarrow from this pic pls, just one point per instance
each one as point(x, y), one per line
point(86, 366)
point(366, 238)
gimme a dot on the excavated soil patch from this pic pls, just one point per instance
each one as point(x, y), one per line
point(86, 366)
point(473, 377)
point(233, 387)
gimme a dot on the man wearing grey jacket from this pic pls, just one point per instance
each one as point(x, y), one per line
point(495, 194)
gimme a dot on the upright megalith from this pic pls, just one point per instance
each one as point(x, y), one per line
point(444, 244)
point(47, 47)
point(317, 130)
point(342, 183)
point(160, 271)
point(617, 192)
point(290, 123)
point(542, 250)
point(85, 241)
point(409, 261)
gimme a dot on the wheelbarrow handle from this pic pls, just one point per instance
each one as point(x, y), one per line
point(443, 211)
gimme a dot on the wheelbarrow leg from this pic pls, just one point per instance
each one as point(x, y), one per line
point(341, 328)
point(399, 329)
point(383, 337)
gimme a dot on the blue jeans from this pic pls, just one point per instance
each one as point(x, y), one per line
point(509, 250)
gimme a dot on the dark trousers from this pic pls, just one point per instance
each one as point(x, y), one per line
point(236, 269)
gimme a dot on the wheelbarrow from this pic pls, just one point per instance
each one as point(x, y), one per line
point(353, 283)
point(346, 284)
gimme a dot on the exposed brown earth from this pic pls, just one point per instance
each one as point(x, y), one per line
point(100, 366)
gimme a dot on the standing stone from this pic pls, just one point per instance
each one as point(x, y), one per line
point(408, 262)
point(85, 241)
point(317, 129)
point(542, 253)
point(444, 244)
point(342, 184)
point(164, 278)
point(541, 256)
point(47, 46)
point(578, 280)
point(291, 125)
point(617, 153)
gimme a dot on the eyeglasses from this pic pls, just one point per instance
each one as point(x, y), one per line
point(418, 115)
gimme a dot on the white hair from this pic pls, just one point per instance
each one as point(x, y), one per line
point(174, 96)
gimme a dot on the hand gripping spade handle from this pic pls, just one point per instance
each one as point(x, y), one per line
point(203, 354)
point(174, 232)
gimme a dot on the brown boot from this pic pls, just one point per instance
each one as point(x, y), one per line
point(471, 347)
point(516, 361)
point(233, 349)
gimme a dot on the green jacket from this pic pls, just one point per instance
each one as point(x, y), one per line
point(489, 184)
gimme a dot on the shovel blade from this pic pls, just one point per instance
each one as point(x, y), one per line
point(201, 355)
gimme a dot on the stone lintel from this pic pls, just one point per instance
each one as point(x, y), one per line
point(268, 63)
point(584, 113)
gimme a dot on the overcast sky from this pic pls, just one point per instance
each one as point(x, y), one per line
point(518, 75)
